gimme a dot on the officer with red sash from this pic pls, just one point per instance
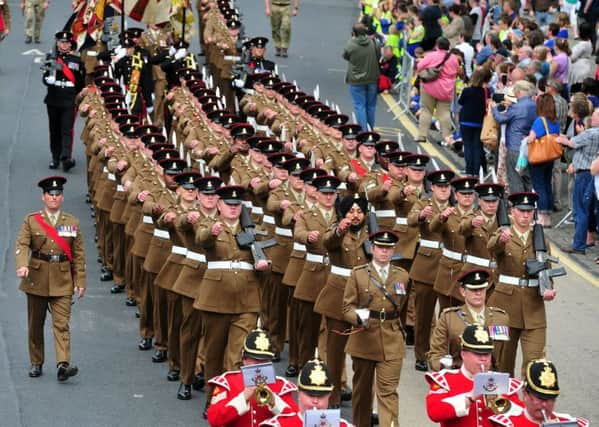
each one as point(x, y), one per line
point(50, 261)
point(65, 77)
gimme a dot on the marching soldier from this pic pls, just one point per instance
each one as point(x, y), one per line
point(258, 64)
point(540, 393)
point(515, 291)
point(372, 302)
point(447, 222)
point(50, 261)
point(426, 262)
point(280, 13)
point(64, 78)
point(234, 404)
point(366, 160)
point(34, 12)
point(445, 339)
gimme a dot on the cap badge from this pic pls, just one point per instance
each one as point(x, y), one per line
point(525, 200)
point(318, 376)
point(418, 161)
point(356, 196)
point(262, 342)
point(328, 183)
point(54, 184)
point(190, 179)
point(547, 377)
point(481, 335)
point(209, 184)
point(442, 176)
point(234, 193)
point(476, 276)
point(167, 156)
point(174, 166)
point(467, 184)
point(490, 190)
point(298, 167)
point(385, 236)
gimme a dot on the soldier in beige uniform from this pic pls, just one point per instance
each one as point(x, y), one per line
point(156, 39)
point(50, 261)
point(229, 295)
point(446, 337)
point(34, 11)
point(515, 291)
point(309, 230)
point(344, 242)
point(447, 222)
point(426, 262)
point(373, 296)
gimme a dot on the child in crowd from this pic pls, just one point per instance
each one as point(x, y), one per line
point(563, 20)
point(415, 33)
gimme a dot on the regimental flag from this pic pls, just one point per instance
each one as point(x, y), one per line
point(149, 11)
point(176, 18)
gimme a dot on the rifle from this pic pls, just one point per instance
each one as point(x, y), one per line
point(539, 267)
point(246, 239)
point(503, 218)
point(372, 224)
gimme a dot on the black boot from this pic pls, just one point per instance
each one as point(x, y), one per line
point(35, 371)
point(198, 382)
point(65, 371)
point(145, 344)
point(184, 392)
point(159, 356)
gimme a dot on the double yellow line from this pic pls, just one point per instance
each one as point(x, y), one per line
point(433, 151)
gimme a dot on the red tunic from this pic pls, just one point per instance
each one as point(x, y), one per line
point(518, 418)
point(229, 408)
point(446, 399)
point(292, 419)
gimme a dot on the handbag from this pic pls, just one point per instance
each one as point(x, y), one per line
point(545, 149)
point(489, 134)
point(431, 74)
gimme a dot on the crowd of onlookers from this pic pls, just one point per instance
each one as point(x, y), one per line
point(527, 69)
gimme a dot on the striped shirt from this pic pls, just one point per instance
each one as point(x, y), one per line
point(586, 148)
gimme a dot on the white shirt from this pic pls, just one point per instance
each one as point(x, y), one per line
point(468, 52)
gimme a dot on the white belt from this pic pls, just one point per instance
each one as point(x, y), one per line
point(284, 232)
point(179, 250)
point(120, 188)
point(268, 219)
point(247, 204)
point(232, 58)
point(433, 244)
point(92, 53)
point(148, 219)
point(257, 210)
point(299, 247)
point(194, 256)
point(230, 265)
point(516, 281)
point(456, 256)
point(111, 177)
point(262, 128)
point(320, 259)
point(340, 271)
point(60, 83)
point(401, 220)
point(163, 234)
point(387, 213)
point(481, 262)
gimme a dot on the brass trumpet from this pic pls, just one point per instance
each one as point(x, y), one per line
point(264, 395)
point(494, 402)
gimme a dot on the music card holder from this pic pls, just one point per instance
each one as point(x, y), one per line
point(262, 373)
point(491, 383)
point(322, 418)
point(560, 424)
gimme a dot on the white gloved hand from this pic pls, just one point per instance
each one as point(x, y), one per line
point(150, 110)
point(181, 53)
point(120, 53)
point(50, 80)
point(128, 99)
point(171, 51)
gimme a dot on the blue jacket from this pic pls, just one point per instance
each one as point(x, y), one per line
point(519, 118)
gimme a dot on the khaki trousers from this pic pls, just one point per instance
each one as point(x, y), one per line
point(425, 299)
point(160, 317)
point(280, 24)
point(430, 106)
point(60, 309)
point(277, 318)
point(386, 383)
point(175, 317)
point(293, 329)
point(335, 355)
point(118, 253)
point(308, 329)
point(159, 102)
point(34, 15)
point(533, 347)
point(191, 330)
point(146, 306)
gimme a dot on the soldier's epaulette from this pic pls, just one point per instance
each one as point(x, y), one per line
point(361, 267)
point(497, 309)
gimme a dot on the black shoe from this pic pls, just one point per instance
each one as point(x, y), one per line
point(117, 289)
point(130, 302)
point(54, 164)
point(409, 335)
point(198, 382)
point(346, 394)
point(173, 375)
point(65, 371)
point(421, 365)
point(145, 344)
point(374, 419)
point(106, 276)
point(88, 199)
point(575, 251)
point(35, 371)
point(291, 371)
point(278, 51)
point(137, 314)
point(159, 356)
point(99, 259)
point(184, 392)
point(276, 358)
point(28, 40)
point(37, 41)
point(284, 52)
point(68, 164)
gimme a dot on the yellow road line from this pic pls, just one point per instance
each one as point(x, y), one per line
point(432, 150)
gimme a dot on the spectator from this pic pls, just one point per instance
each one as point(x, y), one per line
point(560, 63)
point(518, 118)
point(563, 20)
point(544, 10)
point(436, 96)
point(540, 54)
point(541, 173)
point(362, 54)
point(590, 11)
point(554, 88)
point(477, 17)
point(552, 32)
point(585, 147)
point(474, 103)
point(582, 63)
point(455, 28)
point(468, 52)
point(388, 68)
point(415, 34)
point(524, 56)
point(430, 17)
point(591, 89)
point(570, 7)
point(492, 43)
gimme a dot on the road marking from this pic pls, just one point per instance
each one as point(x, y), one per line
point(432, 150)
point(33, 52)
point(336, 70)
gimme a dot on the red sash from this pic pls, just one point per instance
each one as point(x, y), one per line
point(53, 234)
point(68, 73)
point(360, 170)
point(385, 177)
point(2, 27)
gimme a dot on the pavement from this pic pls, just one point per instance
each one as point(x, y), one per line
point(118, 385)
